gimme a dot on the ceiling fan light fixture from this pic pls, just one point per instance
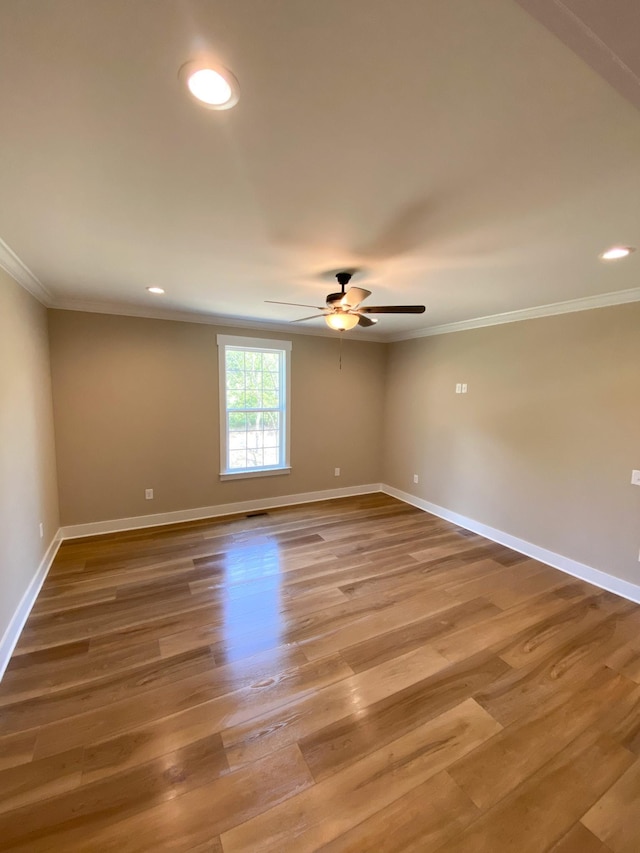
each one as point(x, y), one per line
point(615, 253)
point(341, 321)
point(211, 85)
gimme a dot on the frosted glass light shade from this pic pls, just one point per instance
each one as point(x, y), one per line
point(341, 322)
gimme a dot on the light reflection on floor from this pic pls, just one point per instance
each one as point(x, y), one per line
point(252, 598)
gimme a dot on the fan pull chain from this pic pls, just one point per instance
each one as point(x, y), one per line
point(340, 350)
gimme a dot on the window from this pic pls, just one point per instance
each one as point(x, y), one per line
point(254, 406)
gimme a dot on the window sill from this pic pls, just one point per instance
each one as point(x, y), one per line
point(258, 472)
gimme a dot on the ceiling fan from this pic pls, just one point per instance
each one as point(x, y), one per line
point(344, 309)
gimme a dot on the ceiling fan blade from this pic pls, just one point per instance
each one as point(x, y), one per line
point(312, 317)
point(394, 309)
point(297, 304)
point(354, 296)
point(366, 321)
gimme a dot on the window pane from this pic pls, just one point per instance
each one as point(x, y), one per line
point(253, 379)
point(235, 360)
point(254, 458)
point(237, 440)
point(270, 399)
point(271, 456)
point(271, 380)
point(236, 400)
point(271, 420)
point(235, 380)
point(252, 419)
point(254, 439)
point(253, 399)
point(271, 438)
point(237, 459)
point(271, 361)
point(237, 420)
point(253, 360)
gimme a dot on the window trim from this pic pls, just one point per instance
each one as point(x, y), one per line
point(258, 345)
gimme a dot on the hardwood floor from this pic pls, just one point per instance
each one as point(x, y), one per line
point(353, 675)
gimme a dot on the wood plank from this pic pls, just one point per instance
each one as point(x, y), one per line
point(566, 667)
point(121, 795)
point(17, 749)
point(497, 630)
point(63, 704)
point(421, 820)
point(229, 695)
point(39, 679)
point(179, 823)
point(37, 780)
point(366, 787)
point(615, 818)
point(289, 723)
point(543, 809)
point(499, 766)
point(337, 745)
point(622, 722)
point(321, 639)
point(579, 840)
point(383, 647)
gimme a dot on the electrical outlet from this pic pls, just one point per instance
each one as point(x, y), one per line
point(635, 478)
point(336, 472)
point(458, 387)
point(148, 494)
point(41, 530)
point(415, 478)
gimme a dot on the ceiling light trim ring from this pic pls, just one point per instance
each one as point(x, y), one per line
point(616, 253)
point(194, 66)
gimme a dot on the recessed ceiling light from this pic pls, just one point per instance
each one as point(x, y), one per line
point(211, 85)
point(616, 252)
point(155, 289)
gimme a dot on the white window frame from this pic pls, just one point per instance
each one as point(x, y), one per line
point(234, 342)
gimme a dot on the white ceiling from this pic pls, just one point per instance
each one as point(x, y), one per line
point(459, 152)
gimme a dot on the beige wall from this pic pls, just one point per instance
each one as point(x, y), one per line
point(28, 493)
point(136, 406)
point(542, 445)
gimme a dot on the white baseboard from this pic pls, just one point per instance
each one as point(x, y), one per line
point(118, 525)
point(596, 577)
point(14, 629)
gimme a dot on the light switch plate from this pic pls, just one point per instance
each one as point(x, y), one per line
point(635, 478)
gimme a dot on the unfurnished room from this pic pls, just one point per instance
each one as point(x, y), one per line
point(320, 426)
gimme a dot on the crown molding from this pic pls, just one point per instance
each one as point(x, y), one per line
point(586, 303)
point(21, 273)
point(602, 300)
point(601, 50)
point(205, 319)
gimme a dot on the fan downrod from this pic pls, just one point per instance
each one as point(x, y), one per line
point(343, 280)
